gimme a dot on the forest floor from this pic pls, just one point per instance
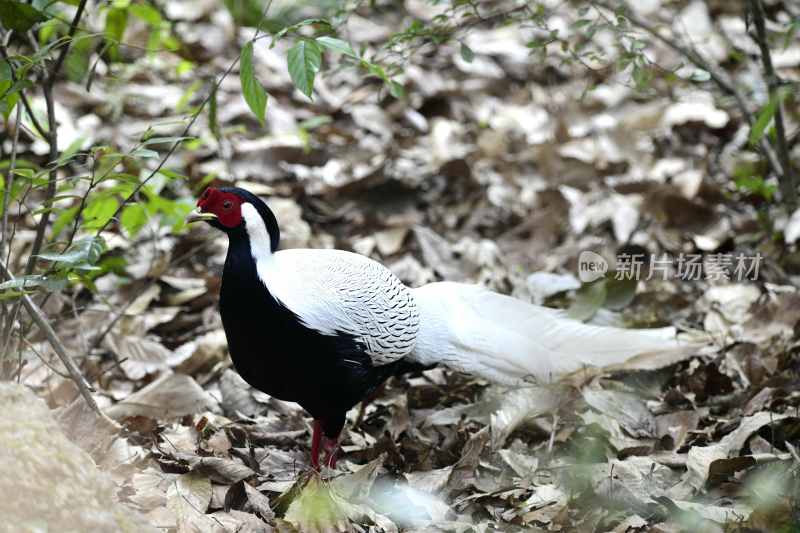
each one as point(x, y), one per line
point(500, 168)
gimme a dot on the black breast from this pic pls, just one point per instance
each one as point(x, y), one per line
point(275, 353)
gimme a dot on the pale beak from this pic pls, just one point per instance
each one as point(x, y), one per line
point(198, 216)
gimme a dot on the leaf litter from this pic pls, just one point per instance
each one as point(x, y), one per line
point(473, 177)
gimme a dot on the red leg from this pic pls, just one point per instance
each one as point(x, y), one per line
point(315, 444)
point(331, 447)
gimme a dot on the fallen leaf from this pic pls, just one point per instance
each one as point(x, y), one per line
point(188, 498)
point(170, 396)
point(627, 409)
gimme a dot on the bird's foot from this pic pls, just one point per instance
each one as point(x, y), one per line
point(331, 447)
point(321, 442)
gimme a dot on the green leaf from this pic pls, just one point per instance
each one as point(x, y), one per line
point(793, 27)
point(377, 70)
point(9, 101)
point(47, 30)
point(756, 185)
point(9, 295)
point(172, 175)
point(49, 283)
point(9, 94)
point(304, 60)
point(166, 140)
point(5, 71)
point(133, 218)
point(116, 22)
point(252, 90)
point(766, 114)
point(396, 89)
point(64, 218)
point(184, 66)
point(83, 251)
point(213, 120)
point(19, 16)
point(183, 102)
point(337, 45)
point(145, 153)
point(641, 76)
point(176, 218)
point(315, 122)
point(619, 292)
point(99, 212)
point(466, 53)
point(70, 151)
point(588, 299)
point(18, 86)
point(25, 173)
point(147, 13)
point(78, 59)
point(324, 24)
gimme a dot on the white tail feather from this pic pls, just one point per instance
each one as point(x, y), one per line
point(508, 341)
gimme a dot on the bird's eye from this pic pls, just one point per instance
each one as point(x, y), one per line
point(227, 204)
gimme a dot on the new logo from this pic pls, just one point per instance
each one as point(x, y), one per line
point(591, 266)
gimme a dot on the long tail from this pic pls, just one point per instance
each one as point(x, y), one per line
point(508, 341)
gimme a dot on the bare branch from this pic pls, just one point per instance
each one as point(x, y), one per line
point(788, 180)
point(7, 318)
point(23, 98)
point(186, 130)
point(73, 27)
point(717, 75)
point(41, 321)
point(9, 183)
point(52, 139)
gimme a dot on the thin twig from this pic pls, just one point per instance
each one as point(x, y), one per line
point(44, 220)
point(449, 32)
point(185, 132)
point(716, 74)
point(98, 339)
point(163, 161)
point(51, 79)
point(9, 182)
point(41, 321)
point(52, 139)
point(8, 318)
point(44, 360)
point(788, 180)
point(23, 98)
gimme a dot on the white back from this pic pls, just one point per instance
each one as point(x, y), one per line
point(333, 291)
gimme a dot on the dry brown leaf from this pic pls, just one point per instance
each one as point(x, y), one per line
point(170, 396)
point(627, 409)
point(188, 498)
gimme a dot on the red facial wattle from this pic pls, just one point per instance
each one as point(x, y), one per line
point(227, 206)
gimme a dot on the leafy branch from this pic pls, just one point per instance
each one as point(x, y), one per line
point(779, 164)
point(42, 322)
point(776, 89)
point(80, 254)
point(185, 133)
point(52, 138)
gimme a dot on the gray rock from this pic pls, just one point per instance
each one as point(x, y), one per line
point(48, 482)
